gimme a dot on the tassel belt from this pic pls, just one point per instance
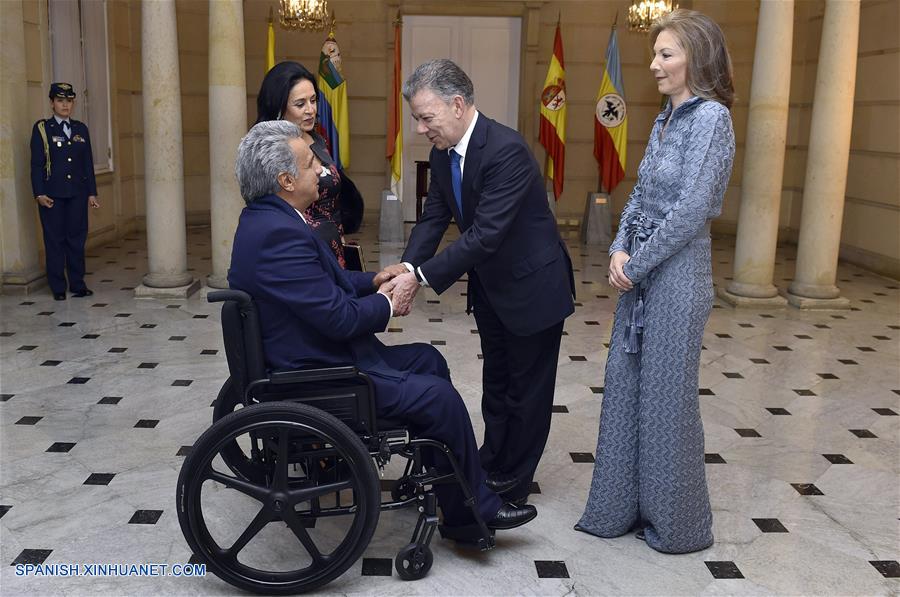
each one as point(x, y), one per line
point(639, 228)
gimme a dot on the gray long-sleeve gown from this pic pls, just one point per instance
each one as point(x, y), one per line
point(649, 470)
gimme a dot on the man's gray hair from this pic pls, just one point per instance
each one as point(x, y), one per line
point(262, 155)
point(443, 78)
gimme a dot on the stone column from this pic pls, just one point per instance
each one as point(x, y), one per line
point(163, 156)
point(227, 124)
point(826, 163)
point(757, 234)
point(20, 269)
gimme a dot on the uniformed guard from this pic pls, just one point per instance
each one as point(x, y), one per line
point(62, 178)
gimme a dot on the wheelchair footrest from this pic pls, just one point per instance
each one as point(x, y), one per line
point(469, 535)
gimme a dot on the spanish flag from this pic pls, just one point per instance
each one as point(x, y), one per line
point(270, 44)
point(553, 116)
point(611, 120)
point(395, 118)
point(334, 115)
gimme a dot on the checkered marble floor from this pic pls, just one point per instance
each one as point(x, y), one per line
point(103, 396)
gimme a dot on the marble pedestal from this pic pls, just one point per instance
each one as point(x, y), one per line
point(596, 225)
point(390, 229)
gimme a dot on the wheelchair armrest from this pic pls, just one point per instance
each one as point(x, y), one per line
point(239, 296)
point(313, 375)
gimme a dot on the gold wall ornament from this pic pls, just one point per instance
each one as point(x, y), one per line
point(641, 15)
point(309, 15)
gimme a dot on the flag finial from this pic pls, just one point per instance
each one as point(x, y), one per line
point(398, 21)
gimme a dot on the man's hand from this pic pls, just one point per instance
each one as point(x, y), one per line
point(388, 273)
point(402, 289)
point(45, 201)
point(92, 201)
point(617, 277)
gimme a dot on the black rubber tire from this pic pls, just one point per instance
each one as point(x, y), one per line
point(228, 401)
point(412, 565)
point(281, 419)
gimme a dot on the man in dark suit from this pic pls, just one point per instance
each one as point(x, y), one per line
point(520, 281)
point(62, 179)
point(314, 313)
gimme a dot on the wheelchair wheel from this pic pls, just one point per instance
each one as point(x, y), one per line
point(414, 562)
point(294, 530)
point(229, 400)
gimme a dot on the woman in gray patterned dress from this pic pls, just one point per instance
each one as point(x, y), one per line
point(649, 474)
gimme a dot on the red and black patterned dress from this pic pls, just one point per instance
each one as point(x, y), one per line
point(324, 215)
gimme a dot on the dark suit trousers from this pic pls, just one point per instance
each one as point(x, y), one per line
point(65, 232)
point(433, 409)
point(518, 379)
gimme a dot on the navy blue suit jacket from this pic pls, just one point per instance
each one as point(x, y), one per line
point(71, 161)
point(508, 234)
point(311, 311)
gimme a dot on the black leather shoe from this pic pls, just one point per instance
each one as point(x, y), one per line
point(510, 517)
point(83, 293)
point(59, 296)
point(501, 482)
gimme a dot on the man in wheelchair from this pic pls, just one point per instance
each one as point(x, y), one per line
point(313, 313)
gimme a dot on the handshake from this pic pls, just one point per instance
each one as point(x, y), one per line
point(399, 285)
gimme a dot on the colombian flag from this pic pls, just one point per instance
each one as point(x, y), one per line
point(334, 115)
point(395, 118)
point(611, 120)
point(553, 116)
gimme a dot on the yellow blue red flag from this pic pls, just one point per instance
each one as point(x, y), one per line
point(334, 115)
point(611, 120)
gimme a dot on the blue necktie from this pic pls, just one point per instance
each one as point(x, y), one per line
point(456, 179)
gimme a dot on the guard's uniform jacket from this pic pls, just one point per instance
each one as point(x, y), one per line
point(64, 167)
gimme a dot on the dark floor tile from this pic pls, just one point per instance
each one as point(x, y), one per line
point(802, 337)
point(827, 375)
point(66, 324)
point(778, 411)
point(26, 303)
point(145, 517)
point(713, 459)
point(200, 316)
point(27, 347)
point(395, 330)
point(32, 556)
point(746, 325)
point(560, 408)
point(865, 349)
point(377, 567)
point(435, 320)
point(46, 313)
point(863, 433)
point(724, 569)
point(123, 315)
point(5, 397)
point(148, 326)
point(823, 326)
point(7, 334)
point(759, 361)
point(598, 389)
point(807, 489)
point(534, 487)
point(147, 365)
point(551, 569)
point(182, 382)
point(90, 336)
point(847, 362)
point(581, 457)
point(766, 315)
point(770, 525)
point(748, 432)
point(50, 363)
point(885, 412)
point(723, 335)
point(177, 338)
point(879, 337)
point(28, 420)
point(146, 424)
point(782, 348)
point(804, 392)
point(173, 306)
point(732, 375)
point(888, 568)
point(99, 479)
point(837, 459)
point(60, 447)
point(110, 400)
point(100, 305)
point(706, 392)
point(577, 358)
point(209, 351)
point(4, 509)
point(79, 380)
point(117, 349)
point(591, 323)
point(183, 451)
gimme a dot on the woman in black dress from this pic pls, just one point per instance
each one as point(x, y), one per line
point(289, 92)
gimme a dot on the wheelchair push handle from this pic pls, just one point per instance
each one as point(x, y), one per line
point(220, 296)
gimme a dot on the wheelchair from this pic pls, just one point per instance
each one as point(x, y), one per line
point(289, 467)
